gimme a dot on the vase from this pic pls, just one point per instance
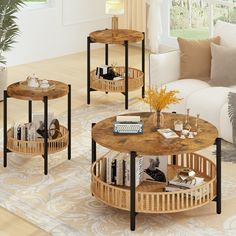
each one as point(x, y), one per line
point(158, 119)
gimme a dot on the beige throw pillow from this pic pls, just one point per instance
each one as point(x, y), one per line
point(195, 58)
point(223, 66)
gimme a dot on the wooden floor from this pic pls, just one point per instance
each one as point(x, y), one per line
point(69, 69)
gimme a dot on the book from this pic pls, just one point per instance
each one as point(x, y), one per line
point(197, 194)
point(128, 118)
point(120, 169)
point(113, 171)
point(186, 184)
point(138, 170)
point(155, 168)
point(168, 133)
point(110, 156)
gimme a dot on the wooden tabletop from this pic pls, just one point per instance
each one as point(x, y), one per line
point(18, 91)
point(119, 36)
point(151, 142)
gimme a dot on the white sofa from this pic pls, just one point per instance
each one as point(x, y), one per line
point(210, 102)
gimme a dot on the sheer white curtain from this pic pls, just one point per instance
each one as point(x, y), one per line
point(135, 15)
point(135, 19)
point(154, 24)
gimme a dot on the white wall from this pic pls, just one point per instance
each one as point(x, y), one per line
point(51, 31)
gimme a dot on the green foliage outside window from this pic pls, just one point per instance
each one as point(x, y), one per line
point(36, 1)
point(190, 18)
point(8, 27)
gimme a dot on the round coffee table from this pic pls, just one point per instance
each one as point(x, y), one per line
point(149, 197)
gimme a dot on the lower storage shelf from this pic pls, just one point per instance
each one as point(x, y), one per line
point(150, 196)
point(33, 148)
point(135, 81)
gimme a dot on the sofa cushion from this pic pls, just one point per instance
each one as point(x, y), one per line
point(195, 58)
point(208, 103)
point(223, 69)
point(185, 88)
point(227, 33)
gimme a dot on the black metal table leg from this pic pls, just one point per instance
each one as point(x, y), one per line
point(88, 70)
point(45, 100)
point(69, 121)
point(94, 149)
point(218, 178)
point(126, 74)
point(5, 96)
point(143, 65)
point(106, 54)
point(132, 190)
point(30, 111)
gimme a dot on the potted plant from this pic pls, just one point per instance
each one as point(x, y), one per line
point(159, 99)
point(8, 31)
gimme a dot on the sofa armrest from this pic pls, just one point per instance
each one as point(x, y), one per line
point(164, 68)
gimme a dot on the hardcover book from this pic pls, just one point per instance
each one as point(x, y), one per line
point(155, 168)
point(168, 133)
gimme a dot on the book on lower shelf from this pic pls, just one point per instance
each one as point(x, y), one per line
point(186, 184)
point(147, 168)
point(118, 169)
point(177, 184)
point(155, 168)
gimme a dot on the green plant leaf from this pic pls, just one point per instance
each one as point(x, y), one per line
point(8, 27)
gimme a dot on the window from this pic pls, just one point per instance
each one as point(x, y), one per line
point(194, 19)
point(36, 1)
point(37, 4)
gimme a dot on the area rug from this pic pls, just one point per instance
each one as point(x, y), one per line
point(61, 203)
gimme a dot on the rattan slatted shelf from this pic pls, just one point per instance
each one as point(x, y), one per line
point(135, 81)
point(36, 147)
point(150, 197)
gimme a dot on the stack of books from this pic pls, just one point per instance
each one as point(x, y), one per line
point(24, 132)
point(118, 169)
point(177, 184)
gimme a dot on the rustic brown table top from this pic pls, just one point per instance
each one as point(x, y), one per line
point(109, 36)
point(151, 142)
point(18, 91)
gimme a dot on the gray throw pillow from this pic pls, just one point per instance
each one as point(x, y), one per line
point(223, 66)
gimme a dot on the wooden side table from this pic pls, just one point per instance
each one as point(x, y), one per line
point(43, 146)
point(148, 198)
point(133, 78)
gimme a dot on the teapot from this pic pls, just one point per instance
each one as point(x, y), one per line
point(32, 81)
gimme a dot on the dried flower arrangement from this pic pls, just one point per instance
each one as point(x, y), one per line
point(159, 99)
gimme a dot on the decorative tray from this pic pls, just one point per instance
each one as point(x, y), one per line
point(23, 85)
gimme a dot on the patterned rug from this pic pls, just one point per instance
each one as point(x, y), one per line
point(61, 203)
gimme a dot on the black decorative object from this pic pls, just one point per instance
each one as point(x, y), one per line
point(41, 130)
point(54, 129)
